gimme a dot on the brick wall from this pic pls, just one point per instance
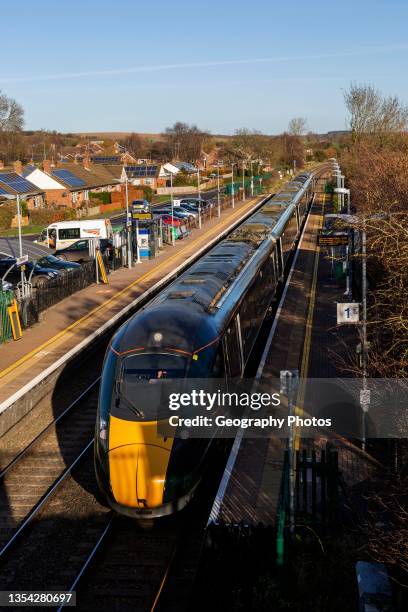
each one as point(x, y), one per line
point(58, 197)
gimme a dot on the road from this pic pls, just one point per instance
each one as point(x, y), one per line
point(118, 219)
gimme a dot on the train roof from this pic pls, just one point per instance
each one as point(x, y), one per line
point(206, 285)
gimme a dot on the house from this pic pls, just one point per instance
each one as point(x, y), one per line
point(70, 184)
point(12, 183)
point(144, 175)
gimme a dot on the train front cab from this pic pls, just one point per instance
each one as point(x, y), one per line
point(141, 472)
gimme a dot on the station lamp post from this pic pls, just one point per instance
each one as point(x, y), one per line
point(232, 185)
point(252, 177)
point(218, 192)
point(128, 224)
point(172, 209)
point(20, 246)
point(243, 180)
point(199, 198)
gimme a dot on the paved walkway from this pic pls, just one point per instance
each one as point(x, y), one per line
point(71, 321)
point(304, 338)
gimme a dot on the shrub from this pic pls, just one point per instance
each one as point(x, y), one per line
point(104, 196)
point(6, 217)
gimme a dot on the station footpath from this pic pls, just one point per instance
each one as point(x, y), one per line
point(302, 337)
point(70, 322)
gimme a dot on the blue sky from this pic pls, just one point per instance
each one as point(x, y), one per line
point(141, 66)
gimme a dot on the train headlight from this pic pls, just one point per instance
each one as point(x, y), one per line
point(103, 433)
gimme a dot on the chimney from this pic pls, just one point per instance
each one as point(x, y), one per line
point(18, 167)
point(46, 166)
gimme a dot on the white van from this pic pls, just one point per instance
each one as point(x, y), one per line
point(64, 233)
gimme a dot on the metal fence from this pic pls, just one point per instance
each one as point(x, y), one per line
point(6, 299)
point(54, 290)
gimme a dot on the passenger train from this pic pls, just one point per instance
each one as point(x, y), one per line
point(203, 325)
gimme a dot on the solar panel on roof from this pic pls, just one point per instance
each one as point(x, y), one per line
point(17, 182)
point(141, 171)
point(68, 178)
point(2, 191)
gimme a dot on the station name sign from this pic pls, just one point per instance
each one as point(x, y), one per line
point(142, 216)
point(332, 239)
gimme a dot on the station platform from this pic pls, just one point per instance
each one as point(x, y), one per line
point(71, 324)
point(302, 337)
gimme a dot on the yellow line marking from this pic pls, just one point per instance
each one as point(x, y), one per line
point(25, 358)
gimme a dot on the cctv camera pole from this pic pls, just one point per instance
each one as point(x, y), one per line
point(218, 191)
point(199, 198)
point(172, 208)
point(129, 250)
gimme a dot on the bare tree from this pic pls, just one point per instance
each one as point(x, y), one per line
point(372, 114)
point(134, 144)
point(185, 141)
point(297, 126)
point(11, 114)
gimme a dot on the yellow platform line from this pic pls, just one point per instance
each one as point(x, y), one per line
point(138, 280)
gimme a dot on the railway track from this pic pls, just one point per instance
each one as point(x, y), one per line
point(33, 476)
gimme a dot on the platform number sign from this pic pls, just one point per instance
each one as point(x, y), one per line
point(348, 312)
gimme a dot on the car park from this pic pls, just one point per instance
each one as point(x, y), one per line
point(79, 251)
point(35, 273)
point(56, 263)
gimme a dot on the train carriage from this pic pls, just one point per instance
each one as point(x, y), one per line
point(203, 325)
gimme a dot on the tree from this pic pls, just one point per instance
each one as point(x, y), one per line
point(11, 114)
point(374, 115)
point(11, 123)
point(185, 141)
point(134, 144)
point(297, 126)
point(291, 150)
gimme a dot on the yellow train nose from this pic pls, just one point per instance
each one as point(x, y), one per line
point(138, 461)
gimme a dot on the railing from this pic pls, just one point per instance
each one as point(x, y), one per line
point(6, 299)
point(52, 291)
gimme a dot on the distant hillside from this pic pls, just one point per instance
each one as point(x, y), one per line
point(116, 135)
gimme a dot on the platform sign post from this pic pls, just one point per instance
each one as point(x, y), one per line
point(348, 312)
point(289, 383)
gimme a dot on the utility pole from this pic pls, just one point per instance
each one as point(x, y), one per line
point(218, 191)
point(128, 226)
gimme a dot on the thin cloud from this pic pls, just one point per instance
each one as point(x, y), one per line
point(196, 65)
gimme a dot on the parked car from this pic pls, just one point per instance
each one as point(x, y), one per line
point(178, 212)
point(140, 206)
point(195, 202)
point(56, 263)
point(169, 220)
point(39, 275)
point(79, 251)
